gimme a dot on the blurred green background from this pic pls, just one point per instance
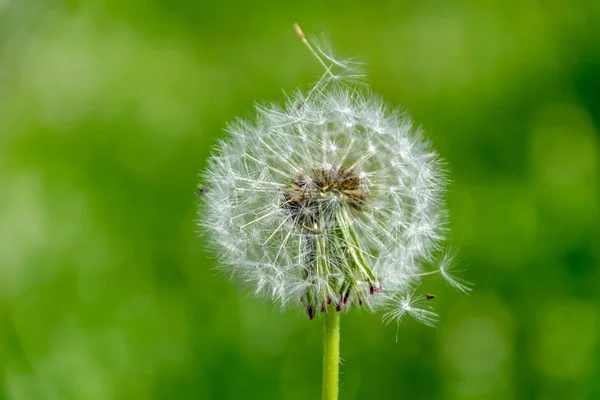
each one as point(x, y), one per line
point(108, 111)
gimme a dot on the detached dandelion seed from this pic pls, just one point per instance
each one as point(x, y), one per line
point(334, 199)
point(413, 306)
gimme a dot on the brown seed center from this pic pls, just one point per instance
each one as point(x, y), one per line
point(305, 196)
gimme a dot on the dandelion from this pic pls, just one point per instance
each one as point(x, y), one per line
point(333, 200)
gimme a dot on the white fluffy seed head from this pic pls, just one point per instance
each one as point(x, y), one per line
point(332, 198)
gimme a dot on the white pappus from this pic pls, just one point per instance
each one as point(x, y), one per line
point(334, 197)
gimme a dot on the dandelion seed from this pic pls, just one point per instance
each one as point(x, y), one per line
point(446, 268)
point(408, 305)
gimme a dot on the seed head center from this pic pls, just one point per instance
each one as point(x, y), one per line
point(306, 194)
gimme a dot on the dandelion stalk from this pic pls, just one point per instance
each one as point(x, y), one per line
point(331, 353)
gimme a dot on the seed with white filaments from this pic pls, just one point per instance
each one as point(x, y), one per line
point(413, 306)
point(333, 198)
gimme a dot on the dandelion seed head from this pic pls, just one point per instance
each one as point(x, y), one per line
point(333, 197)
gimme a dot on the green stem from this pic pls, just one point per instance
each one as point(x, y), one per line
point(331, 353)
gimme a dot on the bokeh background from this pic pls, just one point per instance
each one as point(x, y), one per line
point(108, 111)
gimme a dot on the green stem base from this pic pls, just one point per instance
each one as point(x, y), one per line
point(331, 353)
